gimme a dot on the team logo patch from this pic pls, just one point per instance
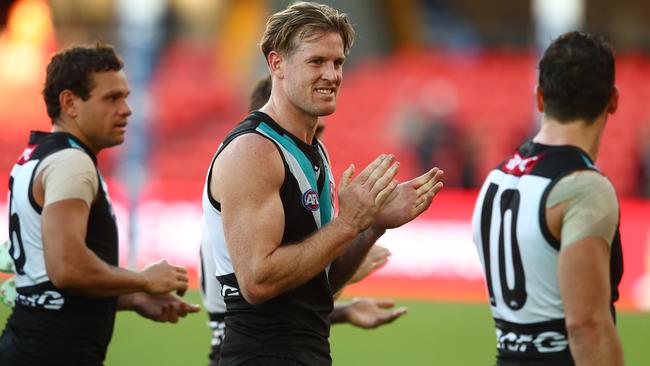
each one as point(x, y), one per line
point(518, 166)
point(310, 200)
point(26, 155)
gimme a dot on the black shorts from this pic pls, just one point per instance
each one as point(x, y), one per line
point(549, 362)
point(27, 355)
point(7, 350)
point(272, 361)
point(218, 328)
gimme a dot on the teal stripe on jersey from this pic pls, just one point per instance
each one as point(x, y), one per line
point(74, 144)
point(587, 161)
point(326, 197)
point(325, 203)
point(291, 146)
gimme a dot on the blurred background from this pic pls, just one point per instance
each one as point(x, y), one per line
point(445, 83)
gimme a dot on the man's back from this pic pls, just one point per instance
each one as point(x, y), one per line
point(520, 254)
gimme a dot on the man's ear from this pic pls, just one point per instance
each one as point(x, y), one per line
point(540, 99)
point(67, 101)
point(613, 101)
point(276, 64)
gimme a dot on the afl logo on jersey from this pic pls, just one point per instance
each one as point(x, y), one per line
point(310, 200)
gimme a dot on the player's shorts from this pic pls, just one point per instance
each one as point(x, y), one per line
point(30, 356)
point(549, 362)
point(218, 328)
point(272, 361)
point(7, 351)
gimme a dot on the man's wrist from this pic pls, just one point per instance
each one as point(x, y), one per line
point(348, 231)
point(129, 301)
point(142, 281)
point(373, 233)
point(340, 314)
point(125, 302)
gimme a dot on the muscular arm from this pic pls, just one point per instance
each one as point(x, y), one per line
point(583, 271)
point(72, 266)
point(66, 186)
point(585, 223)
point(253, 218)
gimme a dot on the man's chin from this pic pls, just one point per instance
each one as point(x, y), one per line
point(326, 111)
point(115, 142)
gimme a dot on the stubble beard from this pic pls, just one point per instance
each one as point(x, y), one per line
point(315, 109)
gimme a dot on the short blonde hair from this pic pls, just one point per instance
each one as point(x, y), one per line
point(302, 20)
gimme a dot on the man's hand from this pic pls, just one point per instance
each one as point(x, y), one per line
point(361, 198)
point(370, 313)
point(376, 257)
point(162, 278)
point(409, 200)
point(160, 308)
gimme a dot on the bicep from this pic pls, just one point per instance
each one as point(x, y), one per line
point(248, 177)
point(583, 275)
point(63, 226)
point(253, 223)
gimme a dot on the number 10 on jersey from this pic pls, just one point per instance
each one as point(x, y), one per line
point(508, 208)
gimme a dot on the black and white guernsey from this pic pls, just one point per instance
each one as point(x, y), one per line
point(520, 255)
point(49, 325)
point(294, 325)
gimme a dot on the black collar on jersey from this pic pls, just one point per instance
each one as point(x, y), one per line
point(36, 137)
point(311, 150)
point(531, 148)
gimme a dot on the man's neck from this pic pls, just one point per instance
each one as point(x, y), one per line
point(292, 119)
point(576, 133)
point(68, 126)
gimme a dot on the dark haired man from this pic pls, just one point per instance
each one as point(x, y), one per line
point(62, 228)
point(546, 221)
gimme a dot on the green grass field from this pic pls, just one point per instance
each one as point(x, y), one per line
point(430, 334)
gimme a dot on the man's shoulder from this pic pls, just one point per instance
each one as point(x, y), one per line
point(69, 161)
point(252, 155)
point(250, 145)
point(72, 155)
point(589, 184)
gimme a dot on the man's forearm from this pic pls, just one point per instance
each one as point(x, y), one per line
point(263, 276)
point(595, 345)
point(94, 278)
point(347, 263)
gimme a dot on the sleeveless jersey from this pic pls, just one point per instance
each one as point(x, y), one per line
point(519, 254)
point(49, 325)
point(295, 324)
